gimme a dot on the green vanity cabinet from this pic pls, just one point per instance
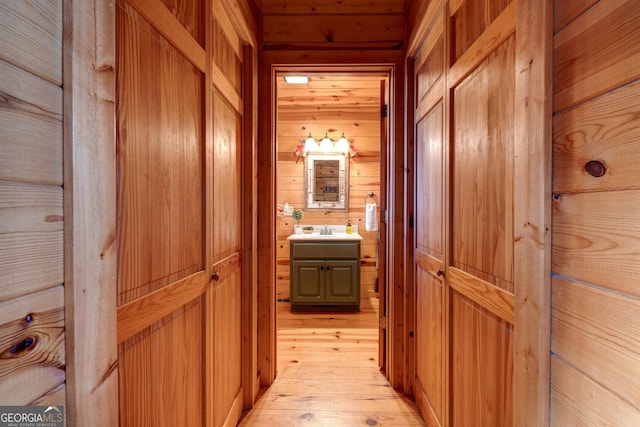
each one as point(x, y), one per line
point(325, 275)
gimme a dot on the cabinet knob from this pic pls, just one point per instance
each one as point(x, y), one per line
point(321, 267)
point(440, 272)
point(215, 275)
point(328, 268)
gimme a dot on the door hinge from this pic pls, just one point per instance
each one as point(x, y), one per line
point(411, 221)
point(385, 218)
point(384, 112)
point(383, 322)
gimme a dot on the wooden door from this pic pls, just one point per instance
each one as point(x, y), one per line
point(382, 225)
point(180, 216)
point(429, 262)
point(468, 255)
point(224, 297)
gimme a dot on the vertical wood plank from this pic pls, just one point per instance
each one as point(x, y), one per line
point(266, 230)
point(90, 213)
point(250, 230)
point(532, 212)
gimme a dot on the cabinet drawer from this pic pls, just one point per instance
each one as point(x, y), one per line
point(325, 250)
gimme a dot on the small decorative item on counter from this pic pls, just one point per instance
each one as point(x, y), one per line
point(349, 228)
point(297, 215)
point(299, 151)
point(307, 229)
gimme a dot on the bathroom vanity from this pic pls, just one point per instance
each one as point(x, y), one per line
point(325, 272)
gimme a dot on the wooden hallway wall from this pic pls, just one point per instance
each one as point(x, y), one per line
point(595, 361)
point(32, 291)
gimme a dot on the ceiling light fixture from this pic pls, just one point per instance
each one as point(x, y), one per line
point(296, 80)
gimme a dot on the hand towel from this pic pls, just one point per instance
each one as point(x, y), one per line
point(371, 220)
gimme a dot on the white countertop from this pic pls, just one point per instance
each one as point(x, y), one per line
point(317, 237)
point(338, 232)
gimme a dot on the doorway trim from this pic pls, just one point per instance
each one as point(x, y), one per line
point(272, 62)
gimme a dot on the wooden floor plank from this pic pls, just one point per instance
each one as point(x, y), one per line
point(328, 375)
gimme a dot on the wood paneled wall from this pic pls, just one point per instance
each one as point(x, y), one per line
point(296, 24)
point(595, 361)
point(331, 104)
point(32, 328)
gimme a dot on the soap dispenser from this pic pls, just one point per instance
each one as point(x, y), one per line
point(349, 229)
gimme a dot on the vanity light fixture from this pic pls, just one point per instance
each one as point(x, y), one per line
point(296, 80)
point(327, 145)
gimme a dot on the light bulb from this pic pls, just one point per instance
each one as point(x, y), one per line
point(326, 144)
point(310, 144)
point(342, 145)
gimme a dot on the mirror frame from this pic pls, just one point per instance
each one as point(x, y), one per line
point(309, 182)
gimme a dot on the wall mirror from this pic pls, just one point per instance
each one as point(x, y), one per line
point(326, 181)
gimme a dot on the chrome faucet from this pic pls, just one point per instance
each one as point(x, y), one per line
point(326, 231)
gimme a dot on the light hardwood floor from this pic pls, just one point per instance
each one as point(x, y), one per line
point(328, 374)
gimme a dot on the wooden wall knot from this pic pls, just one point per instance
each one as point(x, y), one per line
point(18, 348)
point(595, 168)
point(26, 320)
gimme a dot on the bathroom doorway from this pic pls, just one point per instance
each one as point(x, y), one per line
point(333, 104)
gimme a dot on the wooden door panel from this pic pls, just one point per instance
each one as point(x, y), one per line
point(225, 302)
point(161, 238)
point(430, 184)
point(483, 122)
point(227, 214)
point(482, 366)
point(430, 373)
point(167, 390)
point(225, 293)
point(470, 20)
point(160, 167)
point(481, 276)
point(430, 340)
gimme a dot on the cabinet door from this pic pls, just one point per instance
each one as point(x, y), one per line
point(342, 284)
point(307, 282)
